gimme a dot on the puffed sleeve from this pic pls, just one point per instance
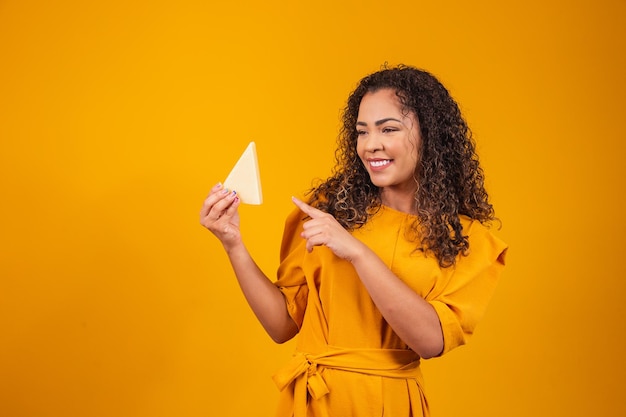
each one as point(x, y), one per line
point(290, 276)
point(461, 297)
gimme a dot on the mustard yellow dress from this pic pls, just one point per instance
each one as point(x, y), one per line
point(348, 361)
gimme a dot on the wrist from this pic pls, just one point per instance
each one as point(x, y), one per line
point(361, 252)
point(234, 247)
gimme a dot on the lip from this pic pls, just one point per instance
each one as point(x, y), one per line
point(378, 164)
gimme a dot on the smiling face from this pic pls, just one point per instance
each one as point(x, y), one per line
point(388, 143)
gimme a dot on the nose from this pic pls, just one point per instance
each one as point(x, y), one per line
point(373, 142)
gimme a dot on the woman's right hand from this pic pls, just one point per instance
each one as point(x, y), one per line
point(219, 214)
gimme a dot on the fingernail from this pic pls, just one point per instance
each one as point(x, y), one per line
point(225, 191)
point(234, 192)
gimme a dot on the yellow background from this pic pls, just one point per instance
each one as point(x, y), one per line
point(117, 117)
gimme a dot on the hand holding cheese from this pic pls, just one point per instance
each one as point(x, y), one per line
point(244, 177)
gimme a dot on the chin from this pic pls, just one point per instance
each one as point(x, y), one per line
point(380, 184)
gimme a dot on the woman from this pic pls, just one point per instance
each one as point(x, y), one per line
point(390, 260)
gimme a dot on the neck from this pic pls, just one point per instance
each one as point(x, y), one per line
point(404, 202)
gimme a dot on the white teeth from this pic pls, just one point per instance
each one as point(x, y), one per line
point(380, 163)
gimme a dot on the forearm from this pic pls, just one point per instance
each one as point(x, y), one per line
point(412, 318)
point(265, 299)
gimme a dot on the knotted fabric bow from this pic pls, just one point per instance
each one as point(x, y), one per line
point(304, 370)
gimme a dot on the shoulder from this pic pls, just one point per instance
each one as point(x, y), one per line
point(291, 232)
point(482, 241)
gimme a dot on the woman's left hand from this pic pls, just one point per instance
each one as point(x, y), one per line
point(323, 230)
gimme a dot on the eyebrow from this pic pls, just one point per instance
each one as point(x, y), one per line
point(380, 122)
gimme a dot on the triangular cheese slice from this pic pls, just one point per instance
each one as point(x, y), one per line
point(244, 177)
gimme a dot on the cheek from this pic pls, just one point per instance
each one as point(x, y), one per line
point(413, 148)
point(414, 152)
point(359, 148)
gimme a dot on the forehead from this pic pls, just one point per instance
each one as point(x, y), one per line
point(382, 103)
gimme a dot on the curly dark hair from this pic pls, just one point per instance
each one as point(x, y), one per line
point(450, 181)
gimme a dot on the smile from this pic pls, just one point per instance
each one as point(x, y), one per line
point(380, 163)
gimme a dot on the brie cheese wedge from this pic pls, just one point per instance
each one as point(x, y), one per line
point(244, 177)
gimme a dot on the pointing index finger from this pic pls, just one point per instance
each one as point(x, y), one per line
point(306, 209)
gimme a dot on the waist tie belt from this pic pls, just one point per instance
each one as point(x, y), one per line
point(303, 370)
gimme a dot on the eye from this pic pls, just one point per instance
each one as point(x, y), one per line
point(361, 132)
point(388, 129)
